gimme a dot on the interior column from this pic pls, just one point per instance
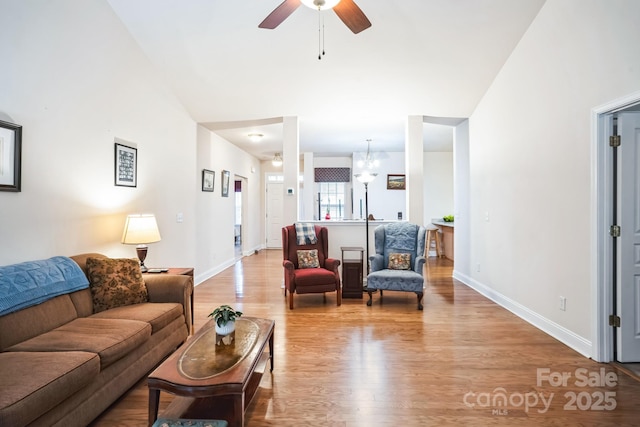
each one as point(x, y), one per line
point(290, 169)
point(414, 169)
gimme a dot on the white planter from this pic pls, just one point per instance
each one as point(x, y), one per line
point(226, 329)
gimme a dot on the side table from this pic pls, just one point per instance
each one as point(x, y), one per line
point(352, 272)
point(183, 271)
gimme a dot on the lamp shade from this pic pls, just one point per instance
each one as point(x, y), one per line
point(140, 229)
point(365, 177)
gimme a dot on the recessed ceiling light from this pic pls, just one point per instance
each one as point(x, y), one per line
point(255, 137)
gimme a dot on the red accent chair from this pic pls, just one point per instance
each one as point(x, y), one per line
point(309, 280)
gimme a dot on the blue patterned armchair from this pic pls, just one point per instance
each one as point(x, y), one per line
point(399, 260)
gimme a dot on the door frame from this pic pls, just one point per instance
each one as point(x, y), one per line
point(601, 220)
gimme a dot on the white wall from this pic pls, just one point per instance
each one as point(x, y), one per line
point(530, 165)
point(383, 204)
point(75, 80)
point(215, 214)
point(438, 185)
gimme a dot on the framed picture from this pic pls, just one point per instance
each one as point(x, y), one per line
point(225, 183)
point(396, 182)
point(10, 156)
point(126, 166)
point(208, 178)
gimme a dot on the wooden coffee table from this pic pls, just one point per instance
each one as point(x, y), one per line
point(214, 380)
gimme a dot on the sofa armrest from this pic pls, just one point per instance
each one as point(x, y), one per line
point(419, 264)
point(172, 288)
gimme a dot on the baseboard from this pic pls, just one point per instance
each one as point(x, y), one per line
point(221, 267)
point(565, 336)
point(213, 271)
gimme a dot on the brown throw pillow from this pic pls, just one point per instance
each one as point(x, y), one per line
point(308, 259)
point(115, 282)
point(399, 261)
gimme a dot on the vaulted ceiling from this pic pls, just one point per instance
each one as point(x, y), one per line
point(434, 58)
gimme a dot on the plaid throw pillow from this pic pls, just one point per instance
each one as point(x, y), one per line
point(399, 261)
point(308, 259)
point(305, 234)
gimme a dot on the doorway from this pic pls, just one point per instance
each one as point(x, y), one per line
point(616, 271)
point(240, 195)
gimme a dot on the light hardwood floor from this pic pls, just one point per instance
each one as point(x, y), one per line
point(392, 365)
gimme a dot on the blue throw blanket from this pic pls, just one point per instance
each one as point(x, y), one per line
point(33, 282)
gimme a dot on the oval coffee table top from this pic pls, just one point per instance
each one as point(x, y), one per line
point(210, 354)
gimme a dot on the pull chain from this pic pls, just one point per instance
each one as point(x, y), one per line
point(320, 35)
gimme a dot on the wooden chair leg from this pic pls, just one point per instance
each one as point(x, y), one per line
point(370, 299)
point(339, 298)
point(290, 300)
point(420, 296)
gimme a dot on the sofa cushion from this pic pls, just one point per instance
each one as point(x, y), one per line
point(33, 321)
point(158, 315)
point(32, 383)
point(111, 339)
point(314, 277)
point(115, 283)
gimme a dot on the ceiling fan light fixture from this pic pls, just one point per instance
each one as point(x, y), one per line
point(320, 4)
point(255, 137)
point(277, 160)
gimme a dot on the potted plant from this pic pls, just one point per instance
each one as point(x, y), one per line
point(225, 318)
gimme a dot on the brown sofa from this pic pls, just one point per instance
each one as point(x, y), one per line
point(61, 364)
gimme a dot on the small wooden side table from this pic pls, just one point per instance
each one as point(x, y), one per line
point(352, 272)
point(183, 271)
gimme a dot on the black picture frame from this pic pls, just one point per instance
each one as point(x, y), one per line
point(226, 176)
point(396, 182)
point(208, 179)
point(10, 156)
point(126, 165)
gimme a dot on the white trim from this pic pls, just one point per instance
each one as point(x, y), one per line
point(601, 295)
point(565, 336)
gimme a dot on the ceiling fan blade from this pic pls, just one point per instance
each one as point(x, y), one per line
point(352, 16)
point(279, 14)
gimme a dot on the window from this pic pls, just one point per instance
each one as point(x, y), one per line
point(332, 200)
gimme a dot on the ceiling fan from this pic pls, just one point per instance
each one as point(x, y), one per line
point(347, 11)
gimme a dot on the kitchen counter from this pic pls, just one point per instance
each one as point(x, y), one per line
point(447, 229)
point(443, 223)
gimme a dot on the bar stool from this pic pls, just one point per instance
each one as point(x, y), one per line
point(433, 238)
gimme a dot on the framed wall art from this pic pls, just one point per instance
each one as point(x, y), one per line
point(10, 156)
point(208, 178)
point(126, 166)
point(396, 182)
point(225, 183)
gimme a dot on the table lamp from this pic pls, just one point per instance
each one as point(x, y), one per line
point(141, 229)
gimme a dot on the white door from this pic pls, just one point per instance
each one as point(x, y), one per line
point(628, 245)
point(275, 192)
